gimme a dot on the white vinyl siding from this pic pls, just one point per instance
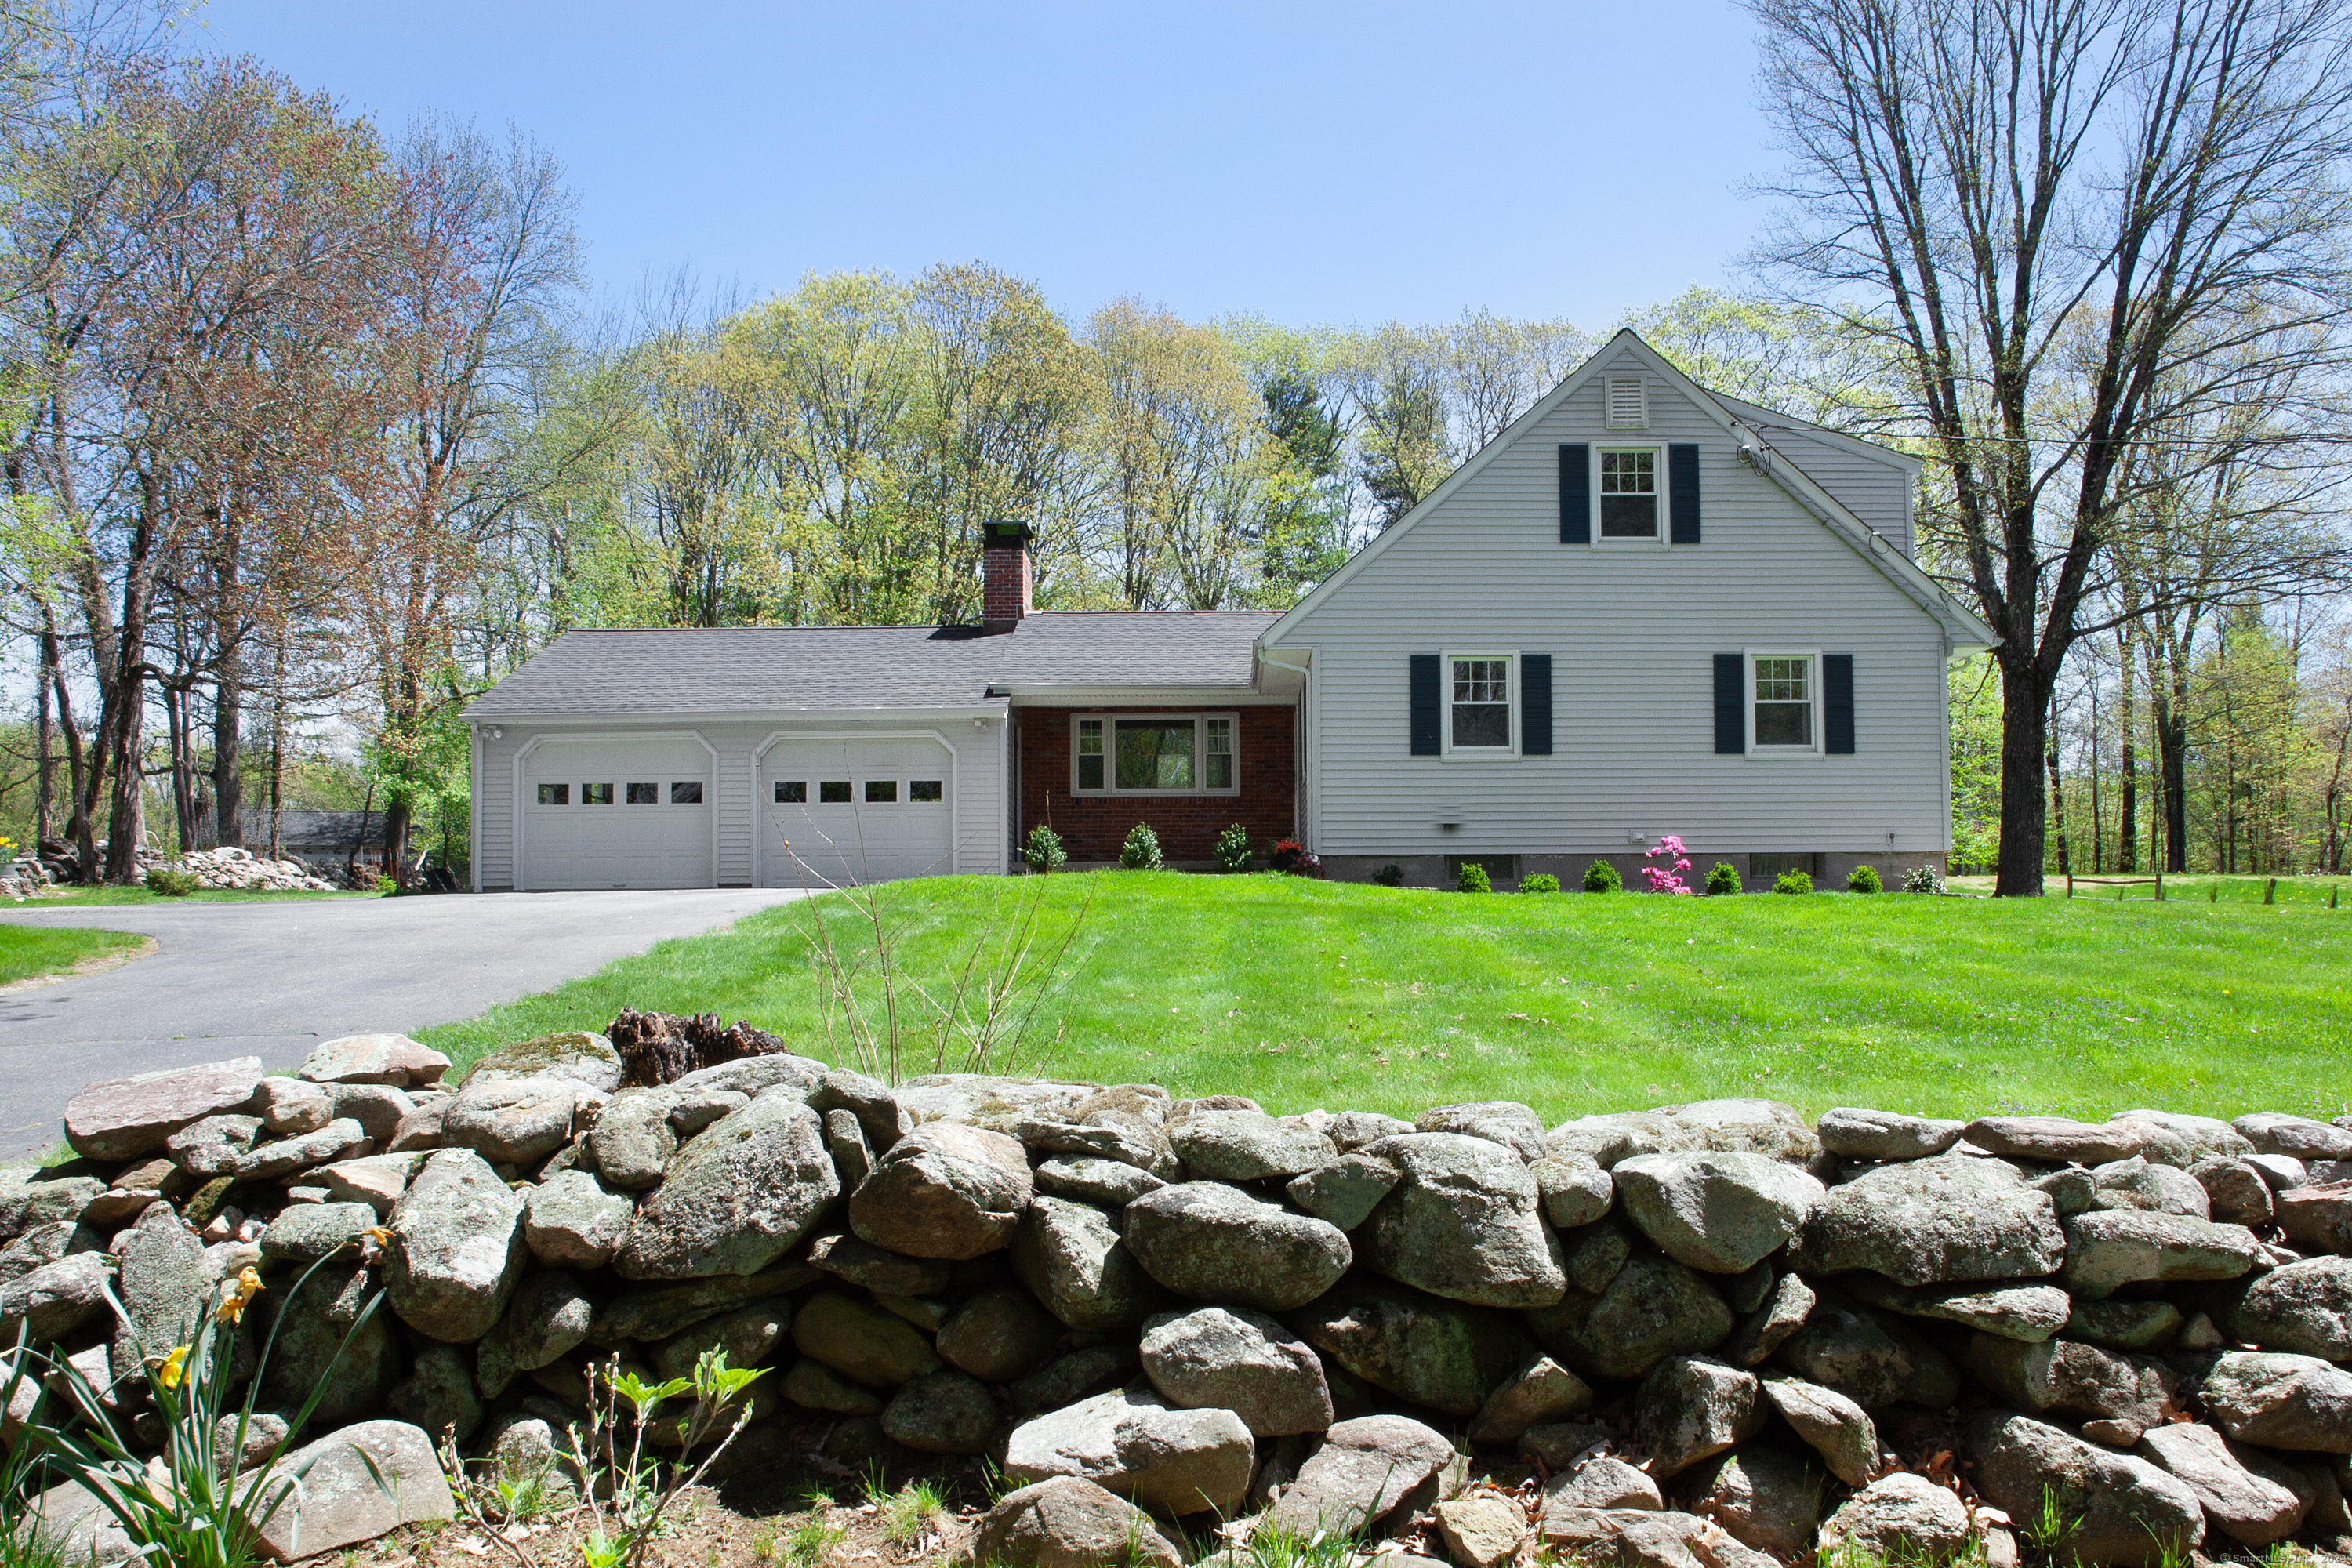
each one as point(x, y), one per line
point(1632, 634)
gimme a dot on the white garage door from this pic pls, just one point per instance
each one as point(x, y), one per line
point(615, 812)
point(855, 811)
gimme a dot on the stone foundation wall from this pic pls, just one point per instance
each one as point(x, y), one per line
point(1703, 1336)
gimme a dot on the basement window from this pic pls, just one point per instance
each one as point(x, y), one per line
point(919, 790)
point(595, 795)
point(793, 792)
point(555, 794)
point(689, 793)
point(881, 792)
point(645, 794)
point(834, 792)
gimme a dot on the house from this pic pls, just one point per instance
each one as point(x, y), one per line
point(1644, 608)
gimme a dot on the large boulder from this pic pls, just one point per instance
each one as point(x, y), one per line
point(1652, 1308)
point(586, 1060)
point(1901, 1517)
point(1347, 1191)
point(633, 1140)
point(1247, 1146)
point(1463, 1222)
point(1834, 1427)
point(1924, 1222)
point(861, 1342)
point(338, 1140)
point(2250, 1497)
point(2056, 1138)
point(2207, 1136)
point(1000, 1335)
point(393, 1059)
point(2123, 1509)
point(943, 1191)
point(164, 1284)
point(348, 1487)
point(1236, 1360)
point(2115, 1394)
point(323, 1342)
point(1851, 1134)
point(1722, 1213)
point(1216, 1243)
point(438, 1394)
point(1505, 1122)
point(1871, 1360)
point(662, 1311)
point(941, 1413)
point(2280, 1401)
point(2027, 1312)
point(1069, 1523)
point(1767, 1498)
point(1367, 1470)
point(51, 1301)
point(456, 1248)
point(736, 1199)
point(2298, 1137)
point(2110, 1248)
point(1693, 1408)
point(129, 1118)
point(1482, 1531)
point(1169, 1462)
point(1071, 1258)
point(2305, 1308)
point(1436, 1352)
point(2317, 1217)
point(570, 1221)
point(304, 1232)
point(31, 1197)
point(510, 1121)
point(1541, 1393)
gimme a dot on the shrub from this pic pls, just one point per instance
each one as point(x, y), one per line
point(1722, 879)
point(1792, 883)
point(1861, 879)
point(1287, 854)
point(1390, 876)
point(171, 881)
point(1472, 879)
point(1541, 882)
point(1233, 849)
point(1667, 878)
point(1601, 877)
point(1044, 850)
point(1922, 879)
point(1142, 850)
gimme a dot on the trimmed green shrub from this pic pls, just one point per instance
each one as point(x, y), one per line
point(1601, 877)
point(1541, 882)
point(1390, 876)
point(1474, 879)
point(1044, 850)
point(1861, 879)
point(1792, 883)
point(1142, 850)
point(1233, 849)
point(1722, 879)
point(172, 882)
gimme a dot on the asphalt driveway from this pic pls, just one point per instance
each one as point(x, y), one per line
point(272, 979)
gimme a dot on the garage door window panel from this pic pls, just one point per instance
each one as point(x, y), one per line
point(595, 795)
point(1156, 753)
point(689, 793)
point(792, 792)
point(925, 791)
point(834, 792)
point(555, 794)
point(881, 792)
point(645, 794)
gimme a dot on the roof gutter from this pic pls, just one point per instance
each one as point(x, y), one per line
point(1964, 630)
point(744, 715)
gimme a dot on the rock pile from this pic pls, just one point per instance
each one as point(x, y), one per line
point(1703, 1336)
point(230, 867)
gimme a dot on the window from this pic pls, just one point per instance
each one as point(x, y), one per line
point(1629, 495)
point(645, 794)
point(926, 789)
point(555, 794)
point(1156, 753)
point(792, 792)
point(881, 792)
point(1629, 402)
point(595, 795)
point(834, 792)
point(1784, 702)
point(689, 793)
point(1479, 716)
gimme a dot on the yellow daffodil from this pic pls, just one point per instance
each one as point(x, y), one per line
point(174, 1370)
point(380, 1235)
point(238, 1295)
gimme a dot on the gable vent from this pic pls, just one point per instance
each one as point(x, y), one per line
point(1629, 402)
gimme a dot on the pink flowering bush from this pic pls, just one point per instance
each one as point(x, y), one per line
point(1660, 877)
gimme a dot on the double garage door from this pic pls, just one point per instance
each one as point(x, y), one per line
point(842, 811)
point(605, 813)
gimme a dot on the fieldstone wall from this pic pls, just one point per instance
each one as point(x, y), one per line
point(1703, 1336)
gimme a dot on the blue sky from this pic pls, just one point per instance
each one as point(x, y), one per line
point(1308, 163)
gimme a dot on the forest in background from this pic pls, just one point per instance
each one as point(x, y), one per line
point(317, 431)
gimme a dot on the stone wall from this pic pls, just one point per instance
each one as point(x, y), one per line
point(1703, 1336)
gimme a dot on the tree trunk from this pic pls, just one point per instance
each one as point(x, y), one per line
point(2127, 840)
point(44, 782)
point(2057, 789)
point(2024, 800)
point(229, 714)
point(2171, 716)
point(395, 840)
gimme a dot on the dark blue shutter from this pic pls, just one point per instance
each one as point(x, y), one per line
point(1837, 704)
point(1535, 705)
point(1730, 711)
point(1575, 493)
point(1428, 739)
point(1682, 485)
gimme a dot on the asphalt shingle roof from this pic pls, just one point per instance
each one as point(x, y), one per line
point(769, 670)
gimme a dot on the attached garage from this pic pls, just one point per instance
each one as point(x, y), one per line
point(615, 812)
point(854, 810)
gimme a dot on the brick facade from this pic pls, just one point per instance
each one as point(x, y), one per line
point(1094, 827)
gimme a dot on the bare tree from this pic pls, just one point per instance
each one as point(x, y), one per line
point(2064, 215)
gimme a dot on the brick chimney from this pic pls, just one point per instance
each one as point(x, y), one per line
point(1003, 575)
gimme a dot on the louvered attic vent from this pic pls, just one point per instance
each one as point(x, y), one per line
point(1628, 403)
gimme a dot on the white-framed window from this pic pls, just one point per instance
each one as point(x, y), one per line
point(1627, 405)
point(1629, 493)
point(1155, 754)
point(1482, 704)
point(1784, 704)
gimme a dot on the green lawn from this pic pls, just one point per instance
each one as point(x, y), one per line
point(1351, 996)
point(29, 951)
point(100, 897)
